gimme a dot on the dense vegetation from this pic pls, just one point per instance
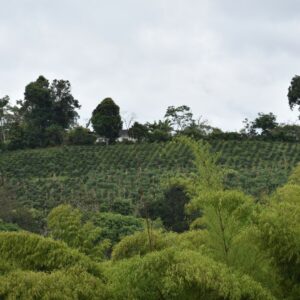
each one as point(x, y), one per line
point(234, 248)
point(115, 178)
point(177, 210)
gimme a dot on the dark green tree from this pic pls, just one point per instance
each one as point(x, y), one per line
point(64, 104)
point(294, 92)
point(265, 122)
point(37, 107)
point(54, 135)
point(139, 131)
point(80, 136)
point(106, 120)
point(45, 106)
point(170, 208)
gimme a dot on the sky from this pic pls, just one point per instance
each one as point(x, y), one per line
point(226, 59)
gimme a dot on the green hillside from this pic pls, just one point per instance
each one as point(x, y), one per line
point(113, 178)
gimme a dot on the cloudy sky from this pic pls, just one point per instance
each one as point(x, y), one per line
point(226, 59)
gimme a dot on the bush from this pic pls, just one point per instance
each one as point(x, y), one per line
point(80, 136)
point(54, 135)
point(8, 226)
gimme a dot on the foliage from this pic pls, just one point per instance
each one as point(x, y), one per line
point(265, 122)
point(36, 253)
point(159, 131)
point(179, 117)
point(64, 105)
point(294, 92)
point(287, 133)
point(106, 119)
point(171, 274)
point(54, 135)
point(110, 178)
point(116, 226)
point(8, 226)
point(74, 283)
point(171, 208)
point(207, 175)
point(65, 223)
point(3, 117)
point(80, 136)
point(279, 232)
point(33, 267)
point(40, 119)
point(139, 132)
point(139, 242)
point(15, 213)
point(46, 104)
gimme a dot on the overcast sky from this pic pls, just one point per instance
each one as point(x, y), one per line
point(226, 59)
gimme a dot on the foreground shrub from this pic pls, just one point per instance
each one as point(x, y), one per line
point(72, 284)
point(33, 252)
point(171, 274)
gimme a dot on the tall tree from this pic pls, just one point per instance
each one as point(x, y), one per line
point(294, 93)
point(37, 107)
point(106, 119)
point(180, 117)
point(265, 122)
point(45, 105)
point(3, 106)
point(64, 104)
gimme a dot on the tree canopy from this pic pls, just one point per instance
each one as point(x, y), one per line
point(106, 119)
point(294, 92)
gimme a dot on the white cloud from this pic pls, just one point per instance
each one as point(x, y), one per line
point(228, 60)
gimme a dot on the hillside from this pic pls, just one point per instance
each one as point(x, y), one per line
point(113, 178)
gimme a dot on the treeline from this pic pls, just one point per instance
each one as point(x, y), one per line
point(47, 116)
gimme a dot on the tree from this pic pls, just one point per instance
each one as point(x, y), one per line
point(41, 268)
point(46, 105)
point(37, 108)
point(106, 120)
point(116, 226)
point(54, 135)
point(65, 223)
point(265, 122)
point(171, 208)
point(3, 106)
point(64, 104)
point(294, 93)
point(138, 131)
point(184, 274)
point(159, 131)
point(180, 117)
point(279, 232)
point(199, 129)
point(80, 136)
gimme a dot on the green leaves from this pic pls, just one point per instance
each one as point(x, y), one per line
point(171, 274)
point(279, 228)
point(106, 119)
point(74, 283)
point(65, 223)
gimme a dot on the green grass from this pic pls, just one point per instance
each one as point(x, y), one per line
point(113, 178)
